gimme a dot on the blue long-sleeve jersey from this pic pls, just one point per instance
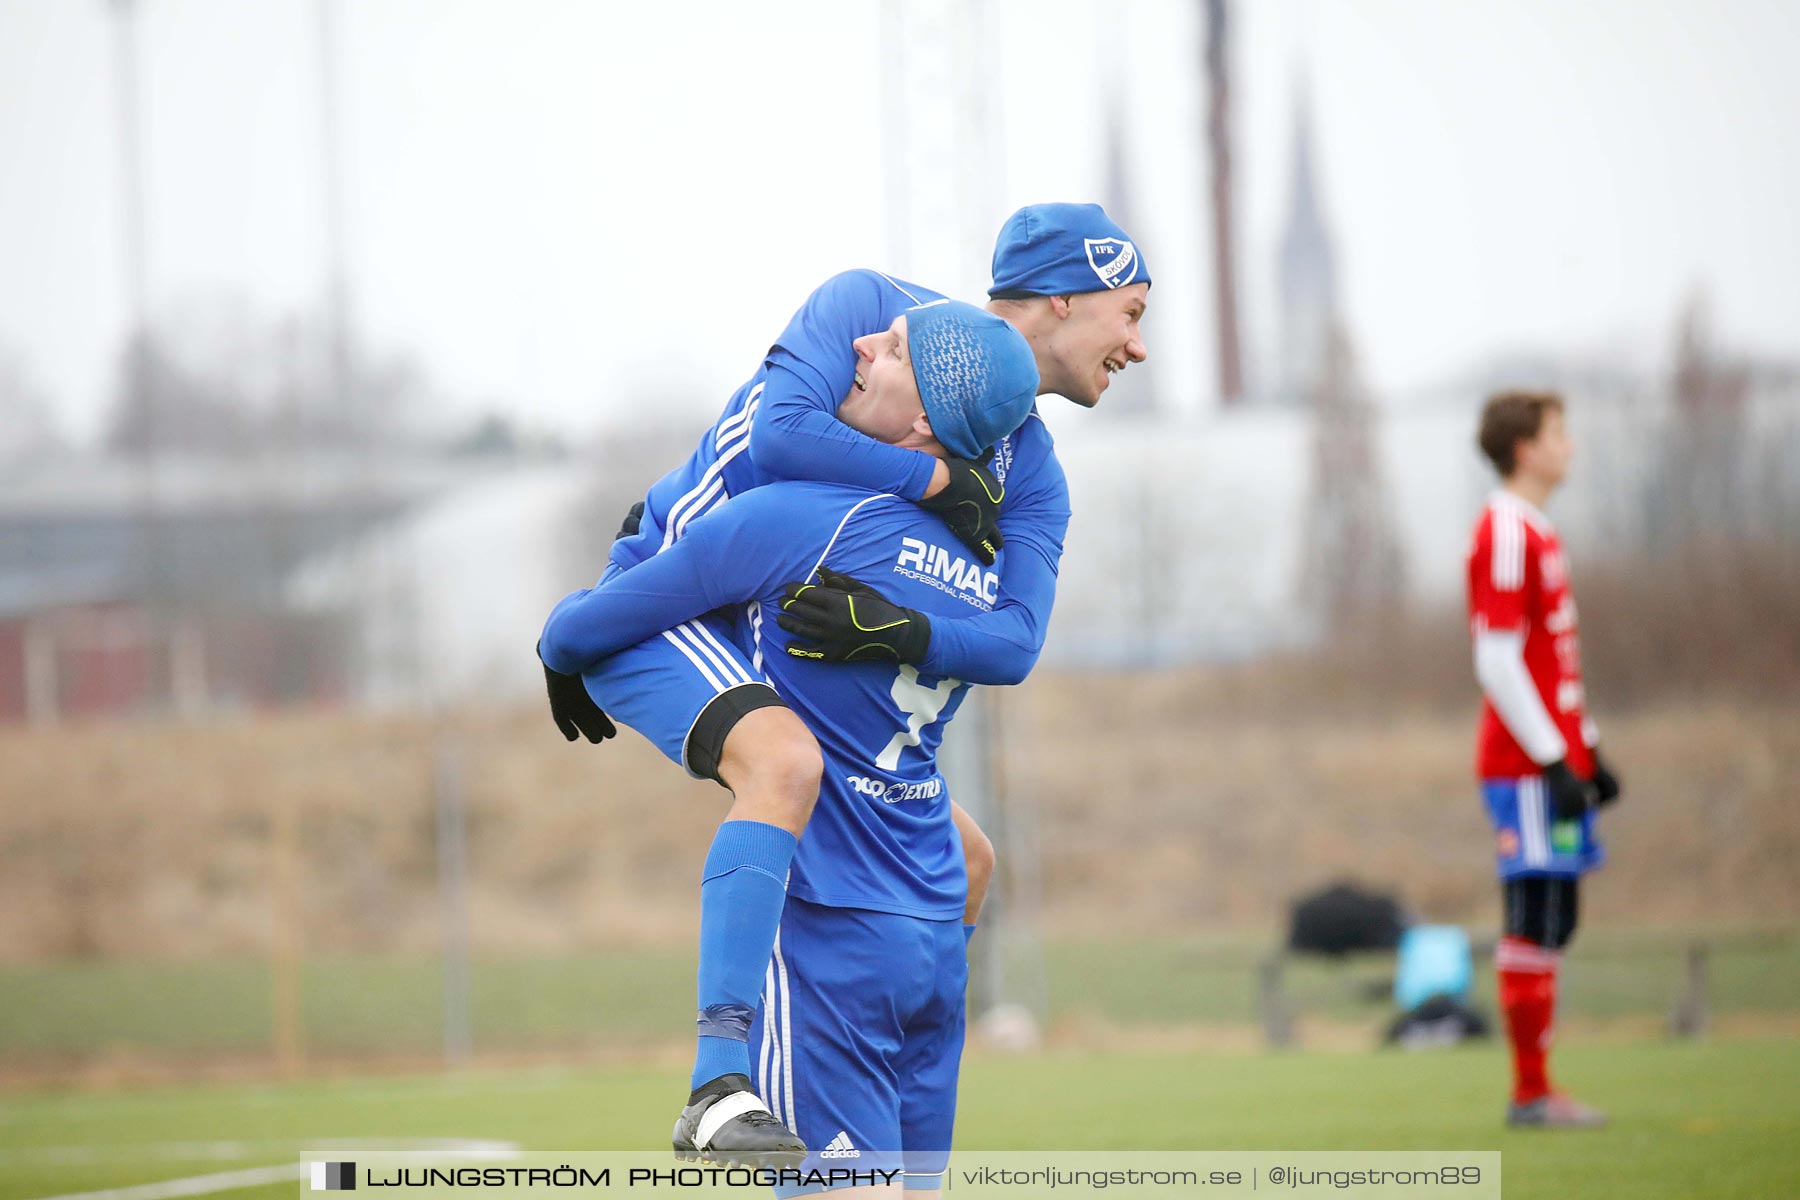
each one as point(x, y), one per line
point(881, 837)
point(782, 424)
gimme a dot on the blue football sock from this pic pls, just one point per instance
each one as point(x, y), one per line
point(742, 892)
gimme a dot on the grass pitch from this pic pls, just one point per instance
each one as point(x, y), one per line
point(59, 1015)
point(1710, 1119)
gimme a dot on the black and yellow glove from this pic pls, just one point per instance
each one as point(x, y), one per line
point(970, 505)
point(842, 619)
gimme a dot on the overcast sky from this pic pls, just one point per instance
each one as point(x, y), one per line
point(572, 210)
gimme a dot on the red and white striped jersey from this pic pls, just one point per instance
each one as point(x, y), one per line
point(1518, 581)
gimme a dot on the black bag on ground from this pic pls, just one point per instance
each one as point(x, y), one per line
point(1343, 918)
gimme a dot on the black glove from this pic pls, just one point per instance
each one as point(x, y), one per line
point(573, 709)
point(848, 621)
point(1606, 784)
point(1569, 797)
point(970, 506)
point(634, 519)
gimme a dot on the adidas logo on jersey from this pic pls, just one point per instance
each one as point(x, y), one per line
point(840, 1147)
point(939, 567)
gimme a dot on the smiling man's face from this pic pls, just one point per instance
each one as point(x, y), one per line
point(884, 399)
point(1098, 338)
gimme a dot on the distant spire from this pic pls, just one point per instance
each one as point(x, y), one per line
point(1306, 223)
point(1308, 267)
point(1354, 567)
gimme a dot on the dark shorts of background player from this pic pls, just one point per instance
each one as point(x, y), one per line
point(1541, 909)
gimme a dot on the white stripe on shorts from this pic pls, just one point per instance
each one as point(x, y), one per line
point(1533, 833)
point(787, 1036)
point(709, 642)
point(766, 1051)
point(719, 685)
point(725, 663)
point(756, 657)
point(730, 650)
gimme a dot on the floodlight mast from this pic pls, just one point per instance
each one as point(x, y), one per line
point(944, 133)
point(140, 418)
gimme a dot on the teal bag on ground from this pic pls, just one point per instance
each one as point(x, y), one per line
point(1434, 960)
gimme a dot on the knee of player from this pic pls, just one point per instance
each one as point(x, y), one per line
point(794, 762)
point(772, 752)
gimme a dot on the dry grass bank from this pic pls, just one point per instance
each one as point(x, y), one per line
point(1177, 801)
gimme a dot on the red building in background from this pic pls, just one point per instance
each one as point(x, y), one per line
point(107, 612)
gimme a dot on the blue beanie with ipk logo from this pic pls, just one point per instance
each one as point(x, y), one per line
point(1061, 249)
point(977, 376)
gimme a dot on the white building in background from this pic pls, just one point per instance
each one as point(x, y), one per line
point(455, 590)
point(1187, 543)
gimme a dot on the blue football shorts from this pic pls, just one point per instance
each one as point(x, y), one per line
point(1529, 841)
point(660, 686)
point(858, 1041)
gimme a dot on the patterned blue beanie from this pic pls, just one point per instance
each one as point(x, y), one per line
point(1063, 249)
point(977, 376)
